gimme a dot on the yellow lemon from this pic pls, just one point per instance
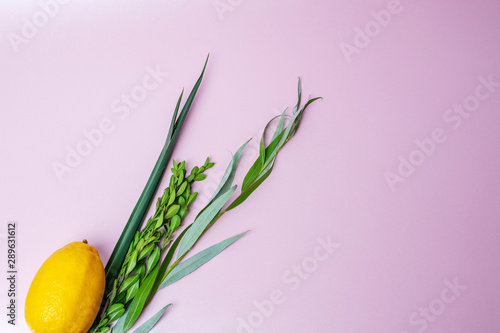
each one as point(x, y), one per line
point(67, 290)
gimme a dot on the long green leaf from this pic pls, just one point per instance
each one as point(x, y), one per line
point(188, 103)
point(165, 264)
point(174, 116)
point(227, 179)
point(279, 128)
point(287, 130)
point(191, 264)
point(202, 221)
point(148, 325)
point(139, 212)
point(252, 173)
point(119, 326)
point(117, 256)
point(245, 194)
point(262, 167)
point(256, 169)
point(135, 308)
point(297, 121)
point(297, 107)
point(262, 148)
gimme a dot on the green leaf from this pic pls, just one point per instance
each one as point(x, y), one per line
point(189, 101)
point(244, 194)
point(252, 173)
point(128, 282)
point(287, 130)
point(147, 250)
point(171, 197)
point(181, 177)
point(297, 121)
point(148, 325)
point(105, 328)
point(139, 212)
point(140, 272)
point(279, 128)
point(259, 170)
point(262, 148)
point(173, 122)
point(297, 107)
point(159, 222)
point(119, 328)
point(132, 263)
point(203, 220)
point(113, 293)
point(200, 177)
point(183, 212)
point(256, 169)
point(166, 263)
point(139, 300)
point(115, 308)
point(115, 315)
point(153, 259)
point(272, 149)
point(191, 264)
point(310, 101)
point(132, 291)
point(120, 298)
point(172, 211)
point(227, 179)
point(175, 222)
point(183, 186)
point(192, 198)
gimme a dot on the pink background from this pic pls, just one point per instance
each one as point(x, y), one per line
point(397, 251)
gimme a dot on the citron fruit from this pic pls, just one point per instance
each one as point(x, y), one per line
point(67, 290)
